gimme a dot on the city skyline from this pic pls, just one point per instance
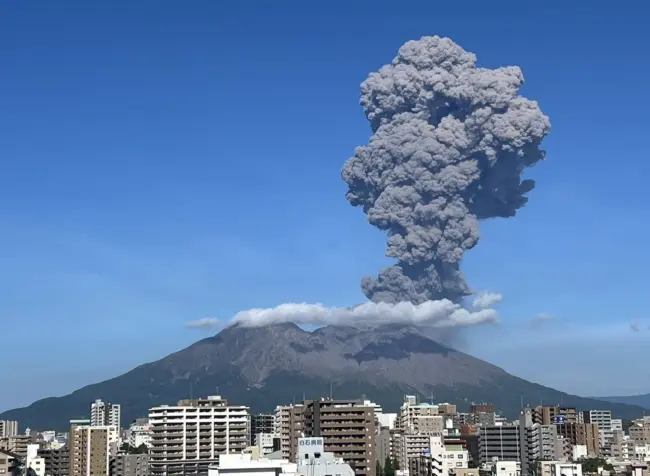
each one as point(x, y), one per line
point(189, 168)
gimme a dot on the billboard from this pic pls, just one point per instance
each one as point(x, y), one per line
point(559, 420)
point(311, 445)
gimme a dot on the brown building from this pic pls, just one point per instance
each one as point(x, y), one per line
point(89, 449)
point(447, 409)
point(582, 434)
point(348, 430)
point(10, 463)
point(550, 415)
point(481, 408)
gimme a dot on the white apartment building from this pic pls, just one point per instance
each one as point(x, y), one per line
point(8, 428)
point(33, 463)
point(189, 437)
point(105, 414)
point(264, 442)
point(140, 433)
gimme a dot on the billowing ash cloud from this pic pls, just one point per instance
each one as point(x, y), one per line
point(450, 143)
point(442, 313)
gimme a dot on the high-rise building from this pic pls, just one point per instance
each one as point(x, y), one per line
point(105, 414)
point(90, 449)
point(348, 430)
point(189, 437)
point(416, 417)
point(262, 423)
point(8, 428)
point(602, 418)
point(499, 442)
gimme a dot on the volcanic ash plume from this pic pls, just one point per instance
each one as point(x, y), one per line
point(450, 143)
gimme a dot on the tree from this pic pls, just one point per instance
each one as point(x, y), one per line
point(590, 465)
point(396, 464)
point(389, 469)
point(378, 469)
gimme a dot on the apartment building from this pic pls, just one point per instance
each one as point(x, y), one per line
point(409, 446)
point(130, 465)
point(189, 437)
point(57, 461)
point(16, 444)
point(90, 449)
point(10, 464)
point(348, 429)
point(414, 417)
point(499, 442)
point(262, 423)
point(549, 415)
point(602, 418)
point(140, 433)
point(640, 431)
point(584, 434)
point(8, 428)
point(105, 414)
point(441, 458)
point(481, 408)
point(287, 425)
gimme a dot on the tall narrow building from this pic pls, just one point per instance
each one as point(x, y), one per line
point(189, 437)
point(90, 449)
point(8, 428)
point(105, 414)
point(348, 430)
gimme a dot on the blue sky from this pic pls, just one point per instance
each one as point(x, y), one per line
point(167, 161)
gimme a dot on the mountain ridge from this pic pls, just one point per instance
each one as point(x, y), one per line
point(266, 366)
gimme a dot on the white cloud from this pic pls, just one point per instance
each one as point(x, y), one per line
point(486, 299)
point(205, 323)
point(443, 313)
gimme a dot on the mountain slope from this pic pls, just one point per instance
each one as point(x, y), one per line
point(267, 366)
point(638, 400)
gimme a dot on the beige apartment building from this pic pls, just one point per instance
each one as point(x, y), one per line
point(348, 430)
point(416, 417)
point(550, 415)
point(16, 444)
point(582, 434)
point(9, 463)
point(640, 431)
point(189, 437)
point(90, 449)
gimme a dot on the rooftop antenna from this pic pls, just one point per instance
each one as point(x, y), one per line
point(191, 390)
point(431, 398)
point(522, 401)
point(330, 389)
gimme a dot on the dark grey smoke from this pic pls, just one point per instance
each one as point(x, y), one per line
point(450, 143)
